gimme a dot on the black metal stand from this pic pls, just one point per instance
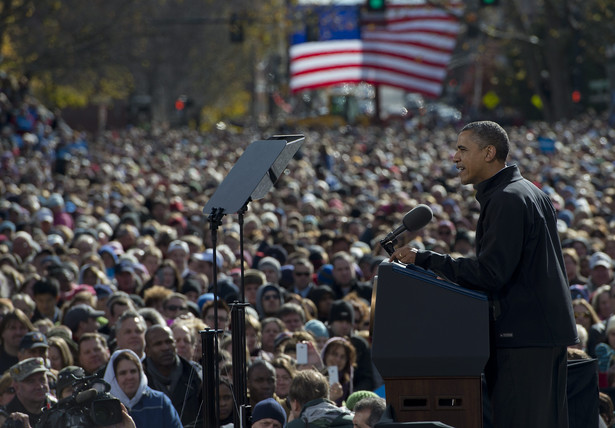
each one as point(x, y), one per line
point(255, 172)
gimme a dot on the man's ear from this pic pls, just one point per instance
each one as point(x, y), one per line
point(490, 155)
point(294, 406)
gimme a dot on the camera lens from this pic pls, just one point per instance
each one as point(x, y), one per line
point(107, 411)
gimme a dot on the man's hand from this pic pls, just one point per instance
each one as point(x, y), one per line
point(21, 417)
point(406, 255)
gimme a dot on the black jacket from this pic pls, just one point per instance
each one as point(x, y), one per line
point(187, 394)
point(519, 264)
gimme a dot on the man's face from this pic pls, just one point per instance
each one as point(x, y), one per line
point(90, 325)
point(470, 159)
point(131, 335)
point(267, 423)
point(293, 322)
point(117, 310)
point(183, 342)
point(271, 302)
point(13, 333)
point(45, 303)
point(92, 355)
point(271, 274)
point(179, 258)
point(223, 318)
point(341, 328)
point(33, 389)
point(343, 272)
point(302, 276)
point(160, 347)
point(39, 351)
point(261, 383)
point(601, 275)
point(250, 293)
point(174, 307)
point(360, 419)
point(125, 282)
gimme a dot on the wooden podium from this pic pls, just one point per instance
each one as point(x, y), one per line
point(430, 343)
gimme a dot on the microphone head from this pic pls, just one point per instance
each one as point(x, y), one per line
point(418, 217)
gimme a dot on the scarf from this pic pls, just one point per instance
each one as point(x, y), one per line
point(115, 390)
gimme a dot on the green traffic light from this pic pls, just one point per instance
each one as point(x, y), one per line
point(376, 4)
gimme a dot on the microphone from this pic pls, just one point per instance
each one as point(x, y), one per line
point(415, 219)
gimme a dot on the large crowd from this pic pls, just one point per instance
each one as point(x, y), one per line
point(107, 261)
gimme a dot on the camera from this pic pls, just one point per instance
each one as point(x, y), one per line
point(89, 406)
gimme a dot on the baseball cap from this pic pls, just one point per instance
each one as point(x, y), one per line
point(208, 256)
point(178, 244)
point(600, 259)
point(20, 371)
point(79, 313)
point(33, 339)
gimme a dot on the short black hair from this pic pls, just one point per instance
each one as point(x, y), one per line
point(46, 286)
point(490, 134)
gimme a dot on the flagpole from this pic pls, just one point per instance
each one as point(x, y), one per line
point(377, 118)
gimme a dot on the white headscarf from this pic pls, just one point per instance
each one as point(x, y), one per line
point(116, 391)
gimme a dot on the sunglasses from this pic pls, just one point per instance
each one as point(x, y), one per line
point(175, 308)
point(302, 273)
point(271, 297)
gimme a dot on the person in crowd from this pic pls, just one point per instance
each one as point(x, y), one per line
point(272, 269)
point(271, 328)
point(261, 381)
point(31, 385)
point(303, 271)
point(66, 379)
point(319, 330)
point(341, 324)
point(82, 319)
point(174, 305)
point(339, 353)
point(13, 328)
point(293, 316)
point(128, 382)
point(225, 397)
point(60, 354)
point(93, 353)
point(310, 404)
point(585, 316)
point(46, 294)
point(284, 373)
point(130, 333)
point(168, 372)
point(517, 246)
point(601, 301)
point(268, 413)
point(600, 271)
point(345, 277)
point(368, 411)
point(33, 344)
point(208, 312)
point(269, 298)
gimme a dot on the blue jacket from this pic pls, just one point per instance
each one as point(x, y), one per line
point(155, 410)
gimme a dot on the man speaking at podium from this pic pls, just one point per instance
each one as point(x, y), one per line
point(519, 265)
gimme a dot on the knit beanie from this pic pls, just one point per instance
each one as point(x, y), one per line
point(341, 310)
point(316, 328)
point(269, 408)
point(357, 396)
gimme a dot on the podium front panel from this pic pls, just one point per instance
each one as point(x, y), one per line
point(424, 326)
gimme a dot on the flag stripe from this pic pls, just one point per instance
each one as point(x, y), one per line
point(410, 49)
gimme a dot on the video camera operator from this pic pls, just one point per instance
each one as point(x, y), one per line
point(90, 405)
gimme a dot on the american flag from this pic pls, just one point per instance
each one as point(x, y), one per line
point(408, 47)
